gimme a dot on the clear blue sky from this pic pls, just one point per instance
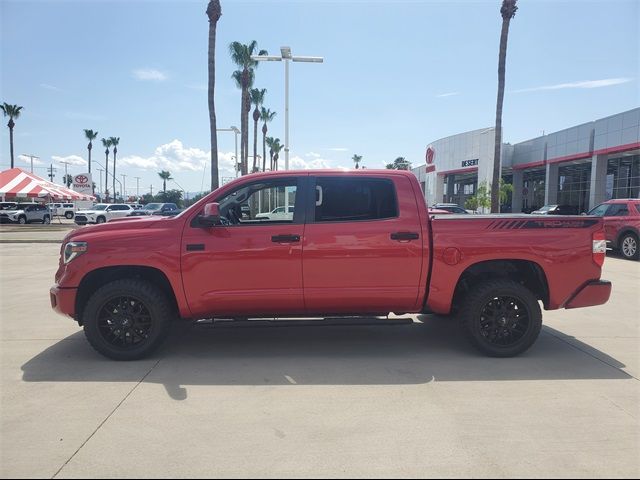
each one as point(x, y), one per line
point(397, 75)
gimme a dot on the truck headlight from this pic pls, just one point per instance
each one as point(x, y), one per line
point(73, 250)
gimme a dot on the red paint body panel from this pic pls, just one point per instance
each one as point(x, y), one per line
point(339, 267)
point(593, 293)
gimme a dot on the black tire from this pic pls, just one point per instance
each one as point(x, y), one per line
point(68, 215)
point(101, 220)
point(46, 220)
point(127, 335)
point(22, 220)
point(629, 246)
point(501, 318)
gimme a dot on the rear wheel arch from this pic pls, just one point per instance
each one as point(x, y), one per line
point(95, 279)
point(526, 272)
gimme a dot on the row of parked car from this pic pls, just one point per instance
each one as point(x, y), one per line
point(103, 212)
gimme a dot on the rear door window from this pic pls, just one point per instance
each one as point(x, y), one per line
point(349, 199)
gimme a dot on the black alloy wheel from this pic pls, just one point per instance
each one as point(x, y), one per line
point(501, 317)
point(127, 319)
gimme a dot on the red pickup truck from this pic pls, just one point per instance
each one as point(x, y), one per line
point(356, 243)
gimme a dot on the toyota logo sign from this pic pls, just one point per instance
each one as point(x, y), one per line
point(81, 179)
point(430, 154)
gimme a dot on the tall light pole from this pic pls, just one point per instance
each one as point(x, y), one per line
point(137, 187)
point(124, 188)
point(285, 56)
point(236, 131)
point(31, 157)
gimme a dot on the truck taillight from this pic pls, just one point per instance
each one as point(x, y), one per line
point(599, 250)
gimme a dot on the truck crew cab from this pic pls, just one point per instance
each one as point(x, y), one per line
point(357, 243)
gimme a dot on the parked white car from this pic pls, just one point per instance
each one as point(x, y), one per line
point(103, 212)
point(66, 210)
point(277, 214)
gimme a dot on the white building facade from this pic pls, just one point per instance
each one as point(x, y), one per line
point(580, 166)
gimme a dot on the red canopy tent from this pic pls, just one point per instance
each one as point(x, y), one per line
point(19, 183)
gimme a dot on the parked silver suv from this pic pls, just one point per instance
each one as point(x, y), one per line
point(26, 213)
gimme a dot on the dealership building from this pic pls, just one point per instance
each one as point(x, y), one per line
point(581, 166)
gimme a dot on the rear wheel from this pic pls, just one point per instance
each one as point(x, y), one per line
point(46, 220)
point(501, 318)
point(127, 319)
point(69, 215)
point(629, 246)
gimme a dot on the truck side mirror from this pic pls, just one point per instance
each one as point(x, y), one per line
point(211, 215)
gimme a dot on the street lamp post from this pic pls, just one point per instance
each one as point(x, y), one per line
point(285, 56)
point(236, 131)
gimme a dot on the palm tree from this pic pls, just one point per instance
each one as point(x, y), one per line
point(114, 142)
point(270, 142)
point(241, 56)
point(257, 98)
point(276, 152)
point(106, 143)
point(508, 11)
point(13, 112)
point(165, 175)
point(214, 12)
point(90, 135)
point(357, 159)
point(266, 116)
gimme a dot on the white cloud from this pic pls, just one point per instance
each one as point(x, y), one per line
point(151, 74)
point(313, 155)
point(607, 82)
point(448, 94)
point(299, 163)
point(75, 160)
point(338, 149)
point(27, 160)
point(46, 86)
point(175, 157)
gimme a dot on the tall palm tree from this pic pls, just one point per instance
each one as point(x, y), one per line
point(165, 175)
point(106, 143)
point(13, 112)
point(90, 135)
point(214, 12)
point(277, 147)
point(257, 98)
point(241, 56)
point(357, 159)
point(266, 116)
point(270, 141)
point(508, 11)
point(114, 142)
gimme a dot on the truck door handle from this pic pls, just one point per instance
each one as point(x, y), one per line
point(285, 238)
point(404, 236)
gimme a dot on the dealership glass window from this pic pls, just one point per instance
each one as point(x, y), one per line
point(623, 177)
point(533, 184)
point(460, 187)
point(574, 183)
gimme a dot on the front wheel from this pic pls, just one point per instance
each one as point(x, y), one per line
point(501, 318)
point(101, 220)
point(629, 247)
point(22, 220)
point(127, 319)
point(46, 220)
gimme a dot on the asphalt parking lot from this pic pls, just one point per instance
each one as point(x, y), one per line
point(410, 400)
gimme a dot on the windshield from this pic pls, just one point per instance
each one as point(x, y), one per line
point(100, 206)
point(600, 210)
point(153, 206)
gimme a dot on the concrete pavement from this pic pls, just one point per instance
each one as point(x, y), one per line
point(335, 401)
